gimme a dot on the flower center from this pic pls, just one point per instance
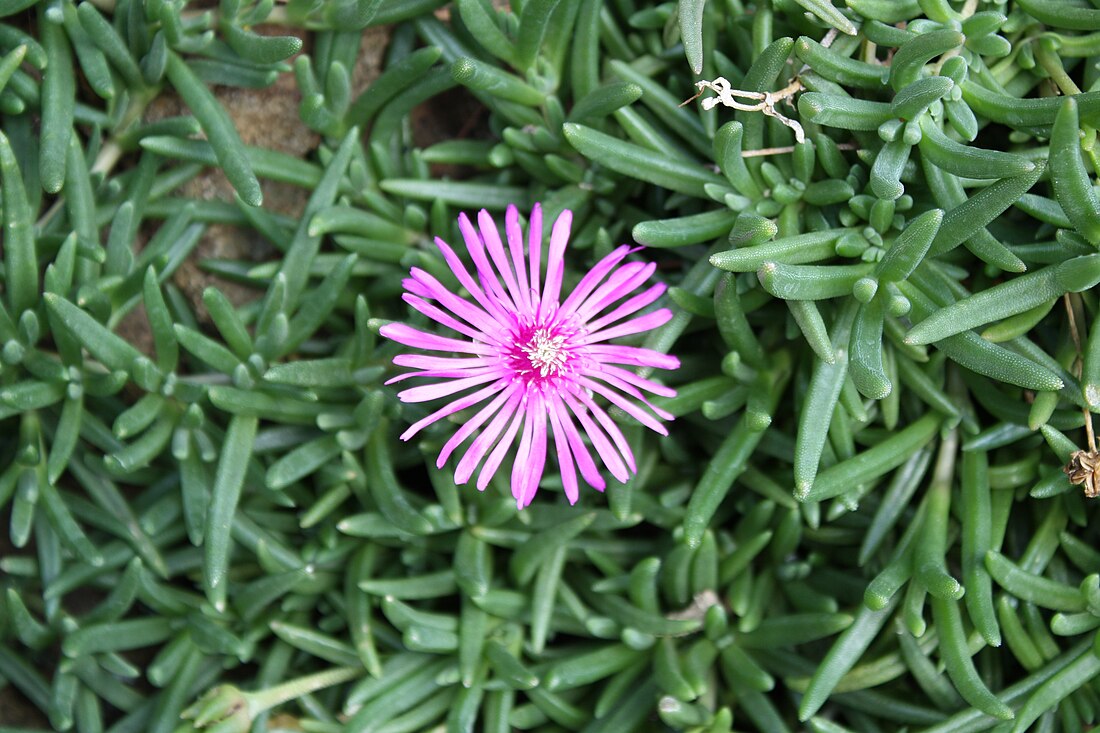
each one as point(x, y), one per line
point(545, 352)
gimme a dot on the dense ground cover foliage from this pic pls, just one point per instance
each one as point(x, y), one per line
point(878, 230)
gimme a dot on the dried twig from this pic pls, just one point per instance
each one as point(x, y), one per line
point(764, 102)
point(1081, 469)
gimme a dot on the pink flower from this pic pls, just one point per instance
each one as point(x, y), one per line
point(538, 363)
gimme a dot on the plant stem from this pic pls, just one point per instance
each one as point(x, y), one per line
point(258, 702)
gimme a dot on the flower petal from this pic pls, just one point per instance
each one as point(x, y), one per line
point(626, 405)
point(619, 285)
point(616, 375)
point(632, 355)
point(424, 361)
point(612, 429)
point(530, 463)
point(491, 237)
point(594, 276)
point(515, 246)
point(451, 408)
point(648, 322)
point(410, 336)
point(564, 453)
point(484, 440)
point(415, 288)
point(607, 452)
point(450, 373)
point(632, 305)
point(587, 465)
point(467, 281)
point(485, 272)
point(555, 263)
point(476, 422)
point(443, 318)
point(493, 461)
point(464, 309)
point(522, 456)
point(534, 248)
point(426, 392)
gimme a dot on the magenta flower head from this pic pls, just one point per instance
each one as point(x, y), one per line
point(535, 365)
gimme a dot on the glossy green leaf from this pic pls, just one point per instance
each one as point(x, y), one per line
point(635, 161)
point(219, 129)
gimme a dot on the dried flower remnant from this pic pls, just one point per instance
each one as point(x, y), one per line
point(764, 102)
point(1081, 470)
point(536, 360)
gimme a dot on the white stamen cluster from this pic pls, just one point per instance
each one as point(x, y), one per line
point(545, 353)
